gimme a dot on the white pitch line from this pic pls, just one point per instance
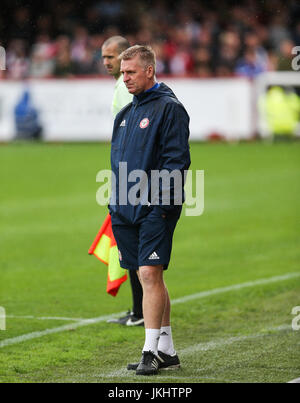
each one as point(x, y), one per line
point(71, 326)
point(211, 345)
point(125, 373)
point(203, 294)
point(168, 374)
point(297, 380)
point(160, 377)
point(222, 290)
point(45, 318)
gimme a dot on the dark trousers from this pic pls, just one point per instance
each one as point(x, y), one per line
point(137, 294)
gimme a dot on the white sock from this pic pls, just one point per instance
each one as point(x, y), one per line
point(151, 341)
point(165, 344)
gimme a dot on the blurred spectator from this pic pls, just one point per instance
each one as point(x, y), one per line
point(62, 43)
point(79, 44)
point(281, 106)
point(250, 65)
point(230, 47)
point(181, 64)
point(202, 62)
point(64, 66)
point(278, 30)
point(285, 55)
point(42, 61)
point(161, 60)
point(27, 121)
point(253, 42)
point(87, 65)
point(16, 60)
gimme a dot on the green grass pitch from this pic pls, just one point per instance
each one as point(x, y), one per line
point(249, 231)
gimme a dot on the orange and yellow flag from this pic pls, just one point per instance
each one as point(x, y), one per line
point(105, 249)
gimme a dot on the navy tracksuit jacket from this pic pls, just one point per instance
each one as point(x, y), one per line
point(151, 133)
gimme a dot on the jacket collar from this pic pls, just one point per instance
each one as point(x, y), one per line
point(157, 91)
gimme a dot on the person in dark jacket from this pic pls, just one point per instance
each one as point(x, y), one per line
point(27, 120)
point(149, 158)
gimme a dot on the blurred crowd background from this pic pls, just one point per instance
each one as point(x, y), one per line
point(207, 38)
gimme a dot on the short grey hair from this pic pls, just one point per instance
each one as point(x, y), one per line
point(146, 54)
point(122, 43)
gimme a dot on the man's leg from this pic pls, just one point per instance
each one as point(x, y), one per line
point(165, 344)
point(154, 304)
point(154, 295)
point(157, 309)
point(166, 352)
point(154, 300)
point(155, 242)
point(166, 319)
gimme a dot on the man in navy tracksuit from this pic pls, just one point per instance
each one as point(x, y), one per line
point(150, 136)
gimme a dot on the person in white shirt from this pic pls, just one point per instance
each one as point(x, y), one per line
point(111, 49)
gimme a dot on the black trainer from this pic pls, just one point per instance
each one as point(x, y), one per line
point(166, 362)
point(149, 364)
point(169, 361)
point(129, 320)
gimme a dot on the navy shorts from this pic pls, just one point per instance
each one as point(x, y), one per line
point(148, 243)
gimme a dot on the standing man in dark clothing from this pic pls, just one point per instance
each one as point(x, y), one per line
point(150, 137)
point(111, 49)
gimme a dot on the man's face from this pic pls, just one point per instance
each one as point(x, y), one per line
point(135, 77)
point(110, 59)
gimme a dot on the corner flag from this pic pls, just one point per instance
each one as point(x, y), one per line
point(105, 249)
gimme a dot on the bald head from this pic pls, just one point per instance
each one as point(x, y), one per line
point(111, 49)
point(120, 42)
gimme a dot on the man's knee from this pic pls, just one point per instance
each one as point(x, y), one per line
point(151, 275)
